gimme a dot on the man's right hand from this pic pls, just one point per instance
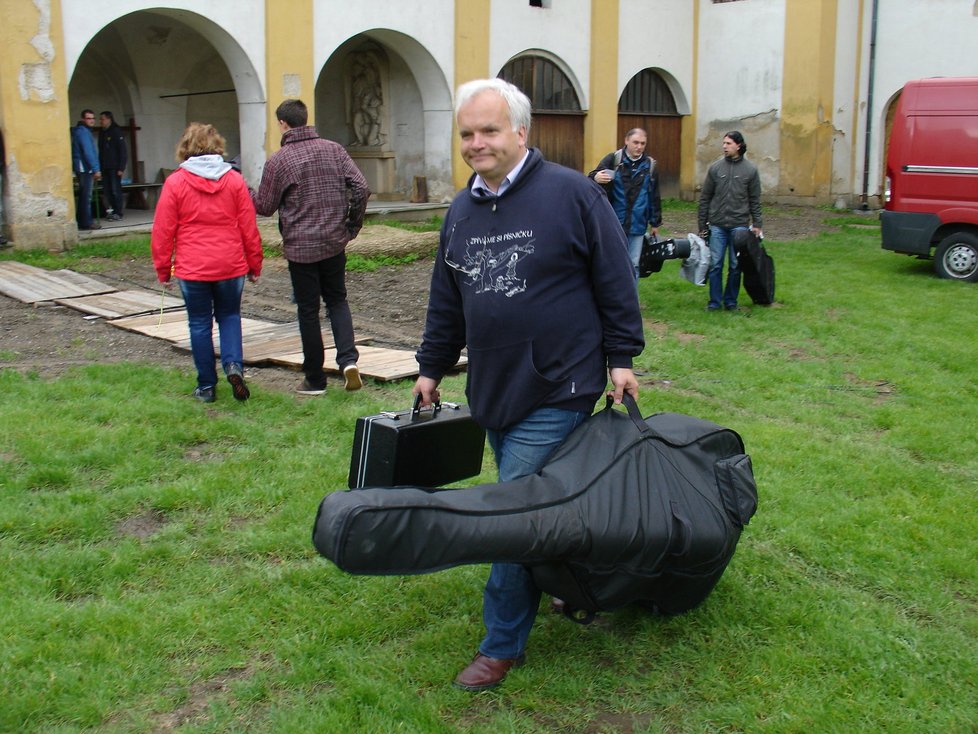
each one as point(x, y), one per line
point(427, 388)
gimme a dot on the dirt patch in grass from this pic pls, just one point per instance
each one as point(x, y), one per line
point(388, 304)
point(142, 526)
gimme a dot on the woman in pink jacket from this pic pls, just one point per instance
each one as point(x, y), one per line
point(205, 233)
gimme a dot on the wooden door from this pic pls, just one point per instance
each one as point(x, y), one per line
point(560, 138)
point(665, 134)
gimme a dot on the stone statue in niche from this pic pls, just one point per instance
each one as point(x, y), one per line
point(365, 99)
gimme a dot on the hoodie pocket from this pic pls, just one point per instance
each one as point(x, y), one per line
point(504, 386)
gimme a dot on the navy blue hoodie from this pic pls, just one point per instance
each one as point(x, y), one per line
point(538, 285)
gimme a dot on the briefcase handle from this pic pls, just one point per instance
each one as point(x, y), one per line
point(416, 410)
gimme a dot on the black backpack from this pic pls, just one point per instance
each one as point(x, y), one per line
point(627, 511)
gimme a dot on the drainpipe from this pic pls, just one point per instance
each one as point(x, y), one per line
point(869, 105)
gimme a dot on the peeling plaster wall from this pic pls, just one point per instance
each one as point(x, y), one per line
point(38, 207)
point(739, 83)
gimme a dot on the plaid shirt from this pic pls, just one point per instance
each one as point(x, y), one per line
point(319, 193)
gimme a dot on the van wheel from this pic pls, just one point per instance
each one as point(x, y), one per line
point(957, 257)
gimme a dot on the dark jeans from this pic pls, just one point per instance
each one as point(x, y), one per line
point(324, 280)
point(83, 210)
point(112, 186)
point(208, 301)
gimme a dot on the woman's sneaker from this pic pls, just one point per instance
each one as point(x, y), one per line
point(204, 394)
point(238, 387)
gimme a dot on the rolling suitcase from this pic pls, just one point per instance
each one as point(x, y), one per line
point(416, 447)
point(756, 266)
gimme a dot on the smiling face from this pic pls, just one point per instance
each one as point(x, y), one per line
point(489, 144)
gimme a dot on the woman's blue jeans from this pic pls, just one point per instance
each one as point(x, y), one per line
point(208, 301)
point(721, 242)
point(510, 599)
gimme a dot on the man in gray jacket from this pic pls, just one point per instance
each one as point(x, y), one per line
point(730, 200)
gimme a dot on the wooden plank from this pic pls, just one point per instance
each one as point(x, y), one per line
point(122, 303)
point(378, 363)
point(171, 326)
point(32, 285)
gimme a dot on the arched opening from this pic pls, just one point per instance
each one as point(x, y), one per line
point(647, 102)
point(382, 95)
point(158, 70)
point(558, 121)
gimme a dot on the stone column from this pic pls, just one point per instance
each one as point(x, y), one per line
point(38, 196)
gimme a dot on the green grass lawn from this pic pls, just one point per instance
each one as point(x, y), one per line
point(158, 572)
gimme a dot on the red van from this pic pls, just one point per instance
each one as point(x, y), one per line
point(932, 176)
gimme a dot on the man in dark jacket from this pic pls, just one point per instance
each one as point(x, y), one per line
point(631, 180)
point(113, 157)
point(535, 294)
point(730, 200)
point(321, 197)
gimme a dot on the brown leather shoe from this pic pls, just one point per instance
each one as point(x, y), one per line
point(484, 672)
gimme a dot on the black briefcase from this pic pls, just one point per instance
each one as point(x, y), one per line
point(424, 448)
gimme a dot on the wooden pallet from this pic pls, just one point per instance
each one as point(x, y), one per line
point(122, 303)
point(33, 285)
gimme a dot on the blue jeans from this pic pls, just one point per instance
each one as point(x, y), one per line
point(721, 241)
point(635, 250)
point(510, 599)
point(208, 301)
point(324, 280)
point(83, 212)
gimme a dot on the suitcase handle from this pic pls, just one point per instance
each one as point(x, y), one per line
point(416, 410)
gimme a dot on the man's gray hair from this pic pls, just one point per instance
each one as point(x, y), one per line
point(517, 102)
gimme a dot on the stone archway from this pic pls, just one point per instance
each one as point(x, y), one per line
point(383, 96)
point(164, 68)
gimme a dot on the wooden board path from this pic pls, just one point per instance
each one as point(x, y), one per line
point(122, 303)
point(379, 363)
point(140, 311)
point(33, 285)
point(170, 326)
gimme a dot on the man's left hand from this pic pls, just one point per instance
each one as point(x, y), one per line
point(624, 380)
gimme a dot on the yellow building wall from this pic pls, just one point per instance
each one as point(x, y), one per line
point(289, 61)
point(807, 94)
point(39, 209)
point(471, 62)
point(601, 123)
point(687, 160)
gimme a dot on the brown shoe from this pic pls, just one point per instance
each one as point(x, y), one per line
point(484, 672)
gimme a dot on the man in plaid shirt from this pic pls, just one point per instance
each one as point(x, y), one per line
point(321, 197)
